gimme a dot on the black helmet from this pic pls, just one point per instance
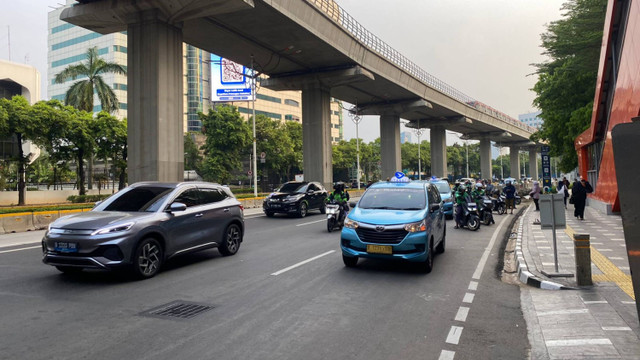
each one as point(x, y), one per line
point(339, 186)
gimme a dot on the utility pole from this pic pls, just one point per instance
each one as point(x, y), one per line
point(255, 158)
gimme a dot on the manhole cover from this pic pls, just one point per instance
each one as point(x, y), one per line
point(178, 310)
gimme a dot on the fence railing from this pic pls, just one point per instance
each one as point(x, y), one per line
point(332, 10)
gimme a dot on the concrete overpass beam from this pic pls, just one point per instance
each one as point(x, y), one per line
point(485, 158)
point(316, 135)
point(533, 164)
point(514, 162)
point(390, 145)
point(438, 151)
point(155, 129)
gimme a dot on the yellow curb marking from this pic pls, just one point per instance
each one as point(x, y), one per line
point(611, 272)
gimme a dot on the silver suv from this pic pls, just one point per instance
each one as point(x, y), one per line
point(145, 224)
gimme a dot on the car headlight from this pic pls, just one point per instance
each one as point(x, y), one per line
point(350, 224)
point(416, 227)
point(294, 197)
point(113, 229)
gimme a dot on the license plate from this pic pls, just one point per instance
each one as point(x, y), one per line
point(65, 247)
point(275, 205)
point(379, 249)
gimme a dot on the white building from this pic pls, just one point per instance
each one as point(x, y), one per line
point(532, 119)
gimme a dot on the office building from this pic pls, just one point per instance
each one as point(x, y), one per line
point(532, 119)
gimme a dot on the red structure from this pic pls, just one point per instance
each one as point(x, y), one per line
point(617, 100)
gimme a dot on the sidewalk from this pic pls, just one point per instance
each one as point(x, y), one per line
point(597, 322)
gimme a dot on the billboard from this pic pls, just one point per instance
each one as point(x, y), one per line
point(230, 81)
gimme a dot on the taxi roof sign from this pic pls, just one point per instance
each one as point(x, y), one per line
point(400, 178)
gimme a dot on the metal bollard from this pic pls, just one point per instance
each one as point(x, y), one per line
point(582, 247)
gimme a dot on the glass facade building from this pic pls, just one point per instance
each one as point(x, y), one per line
point(532, 119)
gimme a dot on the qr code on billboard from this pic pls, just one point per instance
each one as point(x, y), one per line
point(231, 72)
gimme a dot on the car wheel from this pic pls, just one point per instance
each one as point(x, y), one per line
point(302, 211)
point(323, 208)
point(69, 269)
point(427, 266)
point(147, 259)
point(269, 213)
point(350, 261)
point(441, 246)
point(231, 240)
point(474, 223)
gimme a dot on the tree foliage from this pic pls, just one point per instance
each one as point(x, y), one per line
point(80, 94)
point(228, 138)
point(566, 83)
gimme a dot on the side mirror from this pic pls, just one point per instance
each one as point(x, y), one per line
point(97, 203)
point(310, 191)
point(434, 207)
point(353, 204)
point(177, 206)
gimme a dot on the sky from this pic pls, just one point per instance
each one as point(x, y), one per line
point(483, 48)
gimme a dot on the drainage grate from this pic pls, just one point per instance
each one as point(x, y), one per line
point(178, 310)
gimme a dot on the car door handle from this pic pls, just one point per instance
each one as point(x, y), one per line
point(199, 215)
point(226, 210)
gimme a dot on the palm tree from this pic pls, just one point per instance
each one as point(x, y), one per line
point(80, 94)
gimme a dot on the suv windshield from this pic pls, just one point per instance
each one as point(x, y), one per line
point(137, 199)
point(293, 188)
point(393, 199)
point(443, 187)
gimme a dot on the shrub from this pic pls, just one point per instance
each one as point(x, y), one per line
point(77, 199)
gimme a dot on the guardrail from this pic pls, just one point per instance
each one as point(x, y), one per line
point(332, 10)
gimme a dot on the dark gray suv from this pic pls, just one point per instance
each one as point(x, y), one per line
point(143, 225)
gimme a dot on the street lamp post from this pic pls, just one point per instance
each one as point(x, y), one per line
point(466, 146)
point(255, 158)
point(353, 114)
point(418, 131)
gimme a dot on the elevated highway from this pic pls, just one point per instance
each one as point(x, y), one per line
point(308, 45)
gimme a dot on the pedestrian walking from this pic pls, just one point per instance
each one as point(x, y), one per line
point(535, 194)
point(563, 188)
point(579, 197)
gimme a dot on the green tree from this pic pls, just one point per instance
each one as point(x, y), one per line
point(80, 94)
point(18, 123)
point(228, 138)
point(409, 155)
point(111, 142)
point(192, 157)
point(293, 130)
point(566, 84)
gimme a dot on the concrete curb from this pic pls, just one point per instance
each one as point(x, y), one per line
point(524, 275)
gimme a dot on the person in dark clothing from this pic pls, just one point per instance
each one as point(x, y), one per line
point(510, 196)
point(579, 195)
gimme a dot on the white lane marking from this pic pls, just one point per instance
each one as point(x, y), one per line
point(616, 239)
point(578, 342)
point(473, 286)
point(629, 302)
point(454, 335)
point(601, 250)
point(548, 264)
point(563, 312)
point(302, 263)
point(313, 222)
point(27, 248)
point(595, 302)
point(462, 314)
point(616, 328)
point(447, 355)
point(468, 298)
point(616, 258)
point(487, 251)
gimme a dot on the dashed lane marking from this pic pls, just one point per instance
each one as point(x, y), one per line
point(447, 355)
point(302, 263)
point(454, 335)
point(462, 314)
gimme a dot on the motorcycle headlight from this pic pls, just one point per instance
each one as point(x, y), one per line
point(350, 224)
point(113, 229)
point(416, 226)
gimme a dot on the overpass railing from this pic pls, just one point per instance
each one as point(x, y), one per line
point(332, 10)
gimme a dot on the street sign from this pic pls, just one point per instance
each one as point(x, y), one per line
point(263, 155)
point(546, 167)
point(249, 173)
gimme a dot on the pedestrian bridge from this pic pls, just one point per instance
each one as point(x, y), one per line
point(308, 45)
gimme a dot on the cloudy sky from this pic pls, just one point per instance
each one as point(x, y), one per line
point(483, 48)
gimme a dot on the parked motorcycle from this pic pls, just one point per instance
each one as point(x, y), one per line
point(334, 218)
point(500, 205)
point(485, 210)
point(470, 217)
point(518, 199)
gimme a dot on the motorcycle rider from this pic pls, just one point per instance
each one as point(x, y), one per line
point(460, 203)
point(340, 196)
point(477, 194)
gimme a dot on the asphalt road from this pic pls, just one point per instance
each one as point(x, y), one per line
point(266, 307)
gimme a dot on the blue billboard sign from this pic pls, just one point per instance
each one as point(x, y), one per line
point(230, 81)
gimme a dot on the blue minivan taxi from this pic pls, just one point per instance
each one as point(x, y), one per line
point(395, 220)
point(446, 195)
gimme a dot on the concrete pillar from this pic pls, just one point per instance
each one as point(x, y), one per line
point(390, 145)
point(316, 135)
point(514, 162)
point(485, 158)
point(154, 99)
point(438, 151)
point(533, 164)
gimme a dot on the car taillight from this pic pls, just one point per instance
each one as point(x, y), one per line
point(241, 208)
